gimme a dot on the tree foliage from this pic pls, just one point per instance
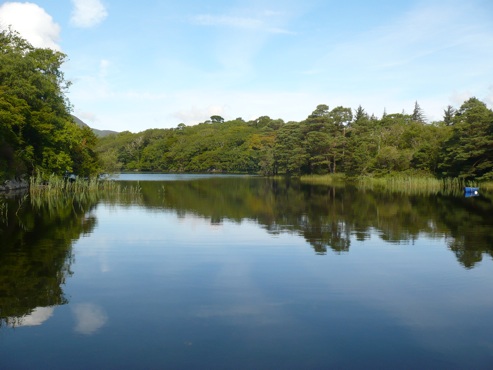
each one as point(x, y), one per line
point(327, 141)
point(468, 153)
point(36, 129)
point(418, 114)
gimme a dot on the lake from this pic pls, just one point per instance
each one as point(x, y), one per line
point(238, 272)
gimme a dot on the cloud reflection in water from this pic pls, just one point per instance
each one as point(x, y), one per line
point(89, 318)
point(37, 317)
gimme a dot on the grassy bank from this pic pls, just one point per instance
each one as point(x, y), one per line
point(398, 183)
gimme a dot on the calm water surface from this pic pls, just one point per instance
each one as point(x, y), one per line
point(244, 272)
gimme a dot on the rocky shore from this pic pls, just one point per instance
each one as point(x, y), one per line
point(14, 184)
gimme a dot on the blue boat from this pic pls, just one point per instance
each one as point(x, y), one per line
point(470, 191)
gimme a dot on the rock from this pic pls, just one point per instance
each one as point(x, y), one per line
point(15, 184)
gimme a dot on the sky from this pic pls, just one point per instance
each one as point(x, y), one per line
point(155, 64)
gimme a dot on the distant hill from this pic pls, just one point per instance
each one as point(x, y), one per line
point(98, 133)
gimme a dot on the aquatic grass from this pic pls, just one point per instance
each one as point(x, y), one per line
point(53, 193)
point(413, 185)
point(4, 211)
point(55, 185)
point(487, 185)
point(328, 179)
point(396, 183)
point(20, 203)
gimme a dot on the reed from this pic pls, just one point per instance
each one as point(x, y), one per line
point(4, 211)
point(54, 186)
point(397, 183)
point(487, 185)
point(328, 179)
point(414, 185)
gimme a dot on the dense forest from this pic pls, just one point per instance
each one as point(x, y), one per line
point(334, 140)
point(38, 133)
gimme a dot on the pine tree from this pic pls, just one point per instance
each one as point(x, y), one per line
point(469, 151)
point(448, 115)
point(418, 114)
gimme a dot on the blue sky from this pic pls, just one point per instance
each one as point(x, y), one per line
point(155, 64)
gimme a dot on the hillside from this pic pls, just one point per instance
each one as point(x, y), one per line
point(98, 133)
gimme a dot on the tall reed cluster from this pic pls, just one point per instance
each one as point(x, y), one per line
point(487, 185)
point(414, 185)
point(399, 184)
point(57, 186)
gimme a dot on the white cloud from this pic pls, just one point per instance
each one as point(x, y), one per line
point(88, 13)
point(261, 22)
point(230, 21)
point(32, 22)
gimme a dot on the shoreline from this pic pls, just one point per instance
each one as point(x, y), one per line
point(14, 184)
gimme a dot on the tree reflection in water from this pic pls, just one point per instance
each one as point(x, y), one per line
point(36, 254)
point(37, 234)
point(328, 217)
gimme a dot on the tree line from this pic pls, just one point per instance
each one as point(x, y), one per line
point(37, 133)
point(337, 140)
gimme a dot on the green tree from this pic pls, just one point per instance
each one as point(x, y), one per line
point(418, 114)
point(217, 119)
point(360, 115)
point(362, 144)
point(448, 115)
point(468, 153)
point(320, 146)
point(341, 116)
point(37, 129)
point(291, 156)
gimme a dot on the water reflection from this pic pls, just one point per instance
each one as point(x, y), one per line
point(36, 255)
point(89, 318)
point(37, 234)
point(226, 273)
point(37, 317)
point(328, 217)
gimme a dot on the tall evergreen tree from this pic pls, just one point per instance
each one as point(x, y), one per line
point(469, 151)
point(290, 154)
point(418, 114)
point(448, 115)
point(360, 114)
